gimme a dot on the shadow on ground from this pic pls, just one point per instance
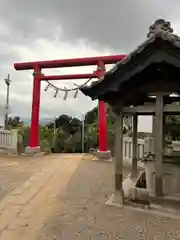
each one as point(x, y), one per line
point(82, 213)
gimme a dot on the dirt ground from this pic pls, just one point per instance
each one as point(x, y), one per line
point(63, 197)
point(14, 171)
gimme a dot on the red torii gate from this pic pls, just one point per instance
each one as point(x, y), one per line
point(76, 62)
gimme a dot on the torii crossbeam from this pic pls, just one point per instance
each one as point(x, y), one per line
point(37, 67)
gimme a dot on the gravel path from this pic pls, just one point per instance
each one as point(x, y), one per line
point(83, 215)
point(63, 197)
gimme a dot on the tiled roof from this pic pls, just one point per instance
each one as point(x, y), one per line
point(161, 29)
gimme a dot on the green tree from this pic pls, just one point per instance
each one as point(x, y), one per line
point(60, 140)
point(91, 116)
point(68, 124)
point(172, 127)
point(14, 122)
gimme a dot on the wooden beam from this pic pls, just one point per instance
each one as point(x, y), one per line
point(119, 157)
point(151, 109)
point(159, 146)
point(134, 147)
point(154, 127)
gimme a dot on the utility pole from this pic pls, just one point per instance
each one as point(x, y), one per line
point(7, 81)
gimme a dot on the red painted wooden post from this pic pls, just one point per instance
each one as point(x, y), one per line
point(102, 127)
point(34, 136)
point(102, 121)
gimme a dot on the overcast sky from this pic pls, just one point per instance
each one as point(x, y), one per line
point(55, 29)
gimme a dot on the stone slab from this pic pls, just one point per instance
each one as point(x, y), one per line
point(31, 151)
point(102, 157)
point(153, 210)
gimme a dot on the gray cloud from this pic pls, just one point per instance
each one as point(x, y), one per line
point(118, 24)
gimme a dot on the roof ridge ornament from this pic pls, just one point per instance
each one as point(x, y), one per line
point(161, 25)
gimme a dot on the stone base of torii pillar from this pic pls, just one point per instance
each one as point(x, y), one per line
point(32, 150)
point(102, 156)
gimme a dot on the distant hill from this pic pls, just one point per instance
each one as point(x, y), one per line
point(42, 121)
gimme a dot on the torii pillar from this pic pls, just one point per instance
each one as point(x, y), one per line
point(102, 120)
point(34, 131)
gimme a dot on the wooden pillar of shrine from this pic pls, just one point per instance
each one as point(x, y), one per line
point(154, 126)
point(134, 147)
point(119, 157)
point(159, 145)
